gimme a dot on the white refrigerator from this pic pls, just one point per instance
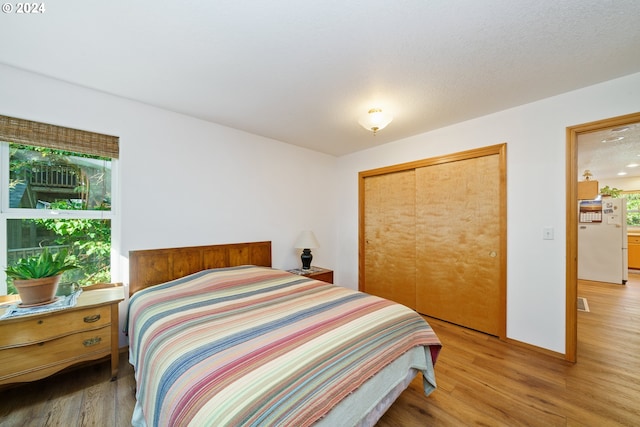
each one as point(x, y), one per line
point(602, 240)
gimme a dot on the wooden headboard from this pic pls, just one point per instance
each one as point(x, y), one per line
point(154, 266)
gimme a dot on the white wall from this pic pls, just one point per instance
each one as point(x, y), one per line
point(184, 181)
point(189, 182)
point(200, 183)
point(536, 143)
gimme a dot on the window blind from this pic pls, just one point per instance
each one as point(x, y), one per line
point(28, 132)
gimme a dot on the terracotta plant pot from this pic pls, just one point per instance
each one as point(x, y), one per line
point(37, 291)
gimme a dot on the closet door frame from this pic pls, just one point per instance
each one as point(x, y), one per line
point(498, 149)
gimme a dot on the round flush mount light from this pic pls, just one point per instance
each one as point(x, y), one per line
point(612, 139)
point(621, 173)
point(620, 129)
point(375, 120)
point(633, 165)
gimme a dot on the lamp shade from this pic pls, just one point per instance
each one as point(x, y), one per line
point(307, 240)
point(375, 120)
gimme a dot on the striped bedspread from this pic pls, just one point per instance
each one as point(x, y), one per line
point(258, 346)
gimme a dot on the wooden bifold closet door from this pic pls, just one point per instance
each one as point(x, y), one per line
point(433, 237)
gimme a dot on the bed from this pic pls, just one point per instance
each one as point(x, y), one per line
point(218, 337)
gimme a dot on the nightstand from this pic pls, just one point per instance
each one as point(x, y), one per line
point(317, 273)
point(38, 345)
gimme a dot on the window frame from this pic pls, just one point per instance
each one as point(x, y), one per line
point(86, 142)
point(631, 228)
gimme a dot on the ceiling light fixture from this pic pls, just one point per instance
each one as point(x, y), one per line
point(621, 173)
point(613, 139)
point(633, 165)
point(375, 120)
point(620, 129)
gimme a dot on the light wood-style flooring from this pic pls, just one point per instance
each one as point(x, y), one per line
point(481, 380)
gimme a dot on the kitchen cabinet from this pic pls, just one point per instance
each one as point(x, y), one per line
point(633, 242)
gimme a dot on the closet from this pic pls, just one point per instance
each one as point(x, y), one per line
point(433, 236)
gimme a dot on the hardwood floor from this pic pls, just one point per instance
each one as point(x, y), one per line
point(81, 397)
point(481, 380)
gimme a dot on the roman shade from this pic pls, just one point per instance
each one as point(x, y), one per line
point(28, 132)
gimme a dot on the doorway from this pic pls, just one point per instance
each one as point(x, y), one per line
point(571, 321)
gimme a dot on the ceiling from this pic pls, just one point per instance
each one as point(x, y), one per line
point(609, 152)
point(305, 72)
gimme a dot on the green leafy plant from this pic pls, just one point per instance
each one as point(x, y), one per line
point(43, 265)
point(610, 191)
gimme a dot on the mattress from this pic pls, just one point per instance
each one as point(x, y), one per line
point(258, 346)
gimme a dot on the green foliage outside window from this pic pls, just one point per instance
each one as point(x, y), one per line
point(88, 241)
point(633, 204)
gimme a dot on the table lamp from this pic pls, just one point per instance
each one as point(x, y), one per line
point(306, 241)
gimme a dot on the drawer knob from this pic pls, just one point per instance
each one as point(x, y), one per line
point(91, 319)
point(91, 341)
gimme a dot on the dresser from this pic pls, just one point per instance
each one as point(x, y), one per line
point(38, 345)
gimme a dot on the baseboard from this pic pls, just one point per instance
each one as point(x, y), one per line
point(537, 349)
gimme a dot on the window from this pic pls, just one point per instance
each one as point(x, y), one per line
point(57, 192)
point(633, 208)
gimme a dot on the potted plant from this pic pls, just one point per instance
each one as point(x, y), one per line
point(610, 191)
point(36, 278)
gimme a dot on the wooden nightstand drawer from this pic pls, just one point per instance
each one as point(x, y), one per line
point(326, 276)
point(317, 273)
point(56, 324)
point(57, 353)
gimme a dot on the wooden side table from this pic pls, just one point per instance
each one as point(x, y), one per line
point(317, 273)
point(35, 346)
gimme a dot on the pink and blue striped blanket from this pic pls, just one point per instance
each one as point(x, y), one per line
point(258, 346)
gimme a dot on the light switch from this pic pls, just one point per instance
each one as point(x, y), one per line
point(547, 233)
